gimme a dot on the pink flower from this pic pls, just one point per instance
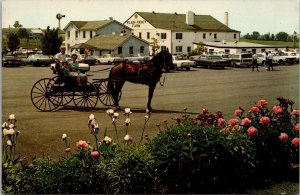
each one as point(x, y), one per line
point(296, 127)
point(254, 109)
point(221, 122)
point(251, 131)
point(283, 136)
point(295, 141)
point(262, 103)
point(238, 112)
point(233, 121)
point(264, 120)
point(95, 154)
point(246, 121)
point(82, 144)
point(295, 112)
point(68, 149)
point(277, 109)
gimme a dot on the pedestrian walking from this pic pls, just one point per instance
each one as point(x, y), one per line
point(254, 62)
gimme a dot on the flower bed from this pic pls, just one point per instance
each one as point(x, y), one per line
point(200, 154)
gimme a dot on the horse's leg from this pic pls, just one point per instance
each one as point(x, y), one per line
point(117, 89)
point(150, 95)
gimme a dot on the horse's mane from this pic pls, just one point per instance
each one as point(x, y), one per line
point(157, 58)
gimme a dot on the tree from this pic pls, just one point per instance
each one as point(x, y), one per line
point(199, 49)
point(23, 33)
point(282, 36)
point(255, 35)
point(247, 36)
point(17, 24)
point(154, 45)
point(13, 42)
point(51, 41)
point(272, 37)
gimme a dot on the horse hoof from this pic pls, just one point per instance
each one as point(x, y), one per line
point(118, 108)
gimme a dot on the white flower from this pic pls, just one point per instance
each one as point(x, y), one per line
point(5, 125)
point(127, 138)
point(64, 136)
point(12, 117)
point(147, 117)
point(91, 117)
point(127, 111)
point(5, 131)
point(11, 132)
point(107, 139)
point(11, 126)
point(110, 111)
point(9, 143)
point(127, 121)
point(116, 115)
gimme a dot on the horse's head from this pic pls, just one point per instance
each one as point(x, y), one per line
point(164, 60)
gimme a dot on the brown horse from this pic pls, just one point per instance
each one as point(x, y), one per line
point(146, 73)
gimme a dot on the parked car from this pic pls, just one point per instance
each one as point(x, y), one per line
point(38, 60)
point(11, 60)
point(241, 59)
point(181, 62)
point(138, 57)
point(83, 67)
point(212, 61)
point(90, 60)
point(278, 58)
point(109, 59)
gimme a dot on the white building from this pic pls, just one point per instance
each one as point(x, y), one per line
point(178, 32)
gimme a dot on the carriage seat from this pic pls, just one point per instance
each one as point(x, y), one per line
point(63, 79)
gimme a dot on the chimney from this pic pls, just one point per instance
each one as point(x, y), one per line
point(226, 18)
point(189, 19)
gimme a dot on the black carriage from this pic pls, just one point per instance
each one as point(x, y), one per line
point(48, 94)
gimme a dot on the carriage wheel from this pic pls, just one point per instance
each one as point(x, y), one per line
point(85, 97)
point(67, 96)
point(105, 96)
point(43, 96)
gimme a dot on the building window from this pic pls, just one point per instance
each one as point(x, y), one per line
point(91, 34)
point(131, 50)
point(140, 35)
point(178, 35)
point(215, 35)
point(76, 34)
point(83, 35)
point(69, 34)
point(234, 36)
point(120, 50)
point(178, 48)
point(204, 35)
point(142, 49)
point(163, 35)
point(163, 48)
point(148, 35)
point(244, 50)
point(189, 49)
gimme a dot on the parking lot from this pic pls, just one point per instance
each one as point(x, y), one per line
point(217, 90)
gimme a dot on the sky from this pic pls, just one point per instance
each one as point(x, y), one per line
point(263, 16)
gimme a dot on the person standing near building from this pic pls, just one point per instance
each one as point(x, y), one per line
point(254, 62)
point(270, 61)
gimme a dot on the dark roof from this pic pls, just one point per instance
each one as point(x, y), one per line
point(177, 22)
point(92, 25)
point(109, 42)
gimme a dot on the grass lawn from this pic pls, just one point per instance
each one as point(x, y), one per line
point(289, 44)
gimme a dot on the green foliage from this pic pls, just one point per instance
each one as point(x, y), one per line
point(13, 42)
point(17, 24)
point(199, 49)
point(51, 41)
point(23, 33)
point(197, 159)
point(282, 36)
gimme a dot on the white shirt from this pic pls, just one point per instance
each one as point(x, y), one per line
point(60, 57)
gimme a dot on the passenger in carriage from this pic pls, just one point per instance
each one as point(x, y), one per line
point(71, 70)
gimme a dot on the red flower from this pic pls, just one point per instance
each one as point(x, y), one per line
point(246, 121)
point(251, 131)
point(238, 112)
point(283, 136)
point(221, 122)
point(254, 109)
point(198, 116)
point(295, 112)
point(233, 121)
point(296, 127)
point(277, 109)
point(264, 120)
point(262, 103)
point(295, 141)
point(95, 154)
point(82, 144)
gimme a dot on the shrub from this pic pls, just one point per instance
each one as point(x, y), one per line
point(191, 158)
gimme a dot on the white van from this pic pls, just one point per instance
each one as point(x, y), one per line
point(241, 59)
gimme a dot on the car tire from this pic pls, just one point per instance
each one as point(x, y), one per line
point(233, 64)
point(188, 68)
